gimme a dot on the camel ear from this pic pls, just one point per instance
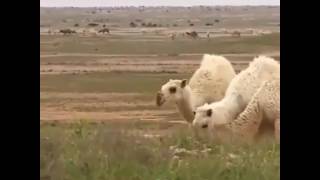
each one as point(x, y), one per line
point(183, 83)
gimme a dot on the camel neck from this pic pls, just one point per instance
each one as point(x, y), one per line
point(232, 106)
point(184, 104)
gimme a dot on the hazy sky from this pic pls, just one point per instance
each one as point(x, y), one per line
point(96, 3)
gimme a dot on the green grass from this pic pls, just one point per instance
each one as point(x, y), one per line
point(107, 82)
point(106, 151)
point(75, 44)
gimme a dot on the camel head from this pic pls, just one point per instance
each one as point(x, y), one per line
point(171, 91)
point(210, 118)
point(214, 115)
point(203, 115)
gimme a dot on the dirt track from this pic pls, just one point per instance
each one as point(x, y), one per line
point(184, 63)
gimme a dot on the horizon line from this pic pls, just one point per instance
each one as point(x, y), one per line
point(157, 6)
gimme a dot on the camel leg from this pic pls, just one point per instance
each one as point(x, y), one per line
point(247, 124)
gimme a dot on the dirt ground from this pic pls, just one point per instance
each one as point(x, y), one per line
point(113, 106)
point(125, 63)
point(114, 77)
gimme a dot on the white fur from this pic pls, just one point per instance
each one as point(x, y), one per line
point(239, 93)
point(264, 106)
point(208, 84)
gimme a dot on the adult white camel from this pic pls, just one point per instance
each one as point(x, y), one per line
point(208, 84)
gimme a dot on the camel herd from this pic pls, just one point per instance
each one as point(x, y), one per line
point(171, 35)
point(195, 35)
point(84, 31)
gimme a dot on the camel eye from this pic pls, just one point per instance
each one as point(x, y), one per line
point(173, 89)
point(209, 112)
point(194, 113)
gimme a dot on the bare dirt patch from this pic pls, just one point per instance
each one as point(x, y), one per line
point(101, 107)
point(181, 64)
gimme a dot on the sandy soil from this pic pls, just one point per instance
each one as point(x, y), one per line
point(70, 106)
point(136, 63)
point(104, 106)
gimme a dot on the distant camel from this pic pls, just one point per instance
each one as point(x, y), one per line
point(192, 34)
point(236, 34)
point(67, 31)
point(104, 30)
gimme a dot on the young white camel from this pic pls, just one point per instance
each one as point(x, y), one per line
point(208, 84)
point(238, 95)
point(262, 112)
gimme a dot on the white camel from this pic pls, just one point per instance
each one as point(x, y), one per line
point(208, 84)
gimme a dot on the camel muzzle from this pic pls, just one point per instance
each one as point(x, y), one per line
point(160, 99)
